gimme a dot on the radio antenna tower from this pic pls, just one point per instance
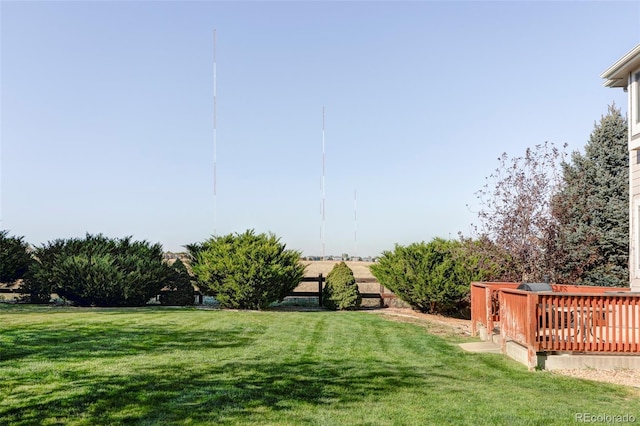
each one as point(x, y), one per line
point(355, 224)
point(322, 226)
point(215, 139)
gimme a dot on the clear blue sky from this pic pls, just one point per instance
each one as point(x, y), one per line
point(107, 113)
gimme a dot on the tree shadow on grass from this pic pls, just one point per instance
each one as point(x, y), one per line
point(95, 341)
point(231, 392)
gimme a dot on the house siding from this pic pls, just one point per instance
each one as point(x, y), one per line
point(634, 142)
point(628, 67)
point(634, 206)
point(634, 232)
point(634, 198)
point(634, 192)
point(635, 174)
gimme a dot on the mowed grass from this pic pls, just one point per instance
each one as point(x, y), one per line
point(189, 366)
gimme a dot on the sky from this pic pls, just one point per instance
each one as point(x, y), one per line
point(106, 113)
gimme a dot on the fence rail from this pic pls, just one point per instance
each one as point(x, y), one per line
point(382, 293)
point(320, 279)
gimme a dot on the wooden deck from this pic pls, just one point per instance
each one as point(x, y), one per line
point(569, 319)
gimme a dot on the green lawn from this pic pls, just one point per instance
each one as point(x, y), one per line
point(189, 366)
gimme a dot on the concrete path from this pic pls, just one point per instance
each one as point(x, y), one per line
point(486, 347)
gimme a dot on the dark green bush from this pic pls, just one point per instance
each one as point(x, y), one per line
point(38, 286)
point(246, 271)
point(341, 291)
point(431, 277)
point(179, 292)
point(35, 292)
point(98, 271)
point(14, 258)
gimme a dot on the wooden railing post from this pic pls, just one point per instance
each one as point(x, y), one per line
point(504, 322)
point(474, 308)
point(531, 330)
point(488, 304)
point(320, 290)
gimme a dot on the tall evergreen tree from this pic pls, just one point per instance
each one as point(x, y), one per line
point(592, 209)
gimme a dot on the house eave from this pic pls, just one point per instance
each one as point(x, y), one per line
point(616, 75)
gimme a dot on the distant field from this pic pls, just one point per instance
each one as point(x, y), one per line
point(360, 269)
point(163, 366)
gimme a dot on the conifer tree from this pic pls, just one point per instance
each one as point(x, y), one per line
point(592, 246)
point(341, 291)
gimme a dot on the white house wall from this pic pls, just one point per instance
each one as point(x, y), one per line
point(634, 225)
point(633, 90)
point(634, 184)
point(625, 73)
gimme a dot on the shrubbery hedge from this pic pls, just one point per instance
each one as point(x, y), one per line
point(179, 291)
point(98, 271)
point(341, 291)
point(15, 259)
point(246, 271)
point(431, 277)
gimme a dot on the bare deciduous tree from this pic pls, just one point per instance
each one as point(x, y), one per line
point(515, 212)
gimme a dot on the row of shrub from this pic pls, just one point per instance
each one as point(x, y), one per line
point(99, 271)
point(433, 277)
point(246, 271)
point(242, 271)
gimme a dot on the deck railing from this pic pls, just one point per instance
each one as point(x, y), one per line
point(518, 310)
point(588, 322)
point(567, 288)
point(485, 305)
point(602, 321)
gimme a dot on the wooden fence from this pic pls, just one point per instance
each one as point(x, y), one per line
point(382, 293)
